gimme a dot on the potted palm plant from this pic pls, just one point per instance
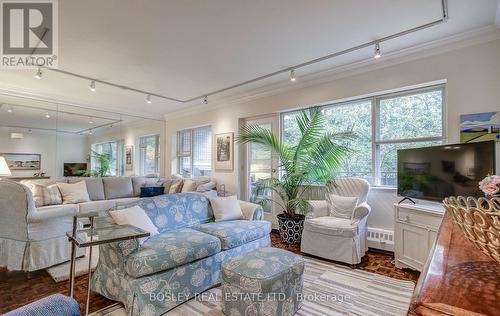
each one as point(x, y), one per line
point(314, 160)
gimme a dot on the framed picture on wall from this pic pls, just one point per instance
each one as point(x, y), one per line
point(129, 158)
point(224, 151)
point(480, 127)
point(23, 161)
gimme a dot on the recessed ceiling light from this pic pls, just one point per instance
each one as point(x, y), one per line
point(91, 121)
point(92, 86)
point(10, 110)
point(292, 75)
point(148, 99)
point(47, 115)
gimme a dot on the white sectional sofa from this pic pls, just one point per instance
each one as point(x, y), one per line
point(33, 238)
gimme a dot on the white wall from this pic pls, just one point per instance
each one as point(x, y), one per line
point(54, 150)
point(472, 73)
point(130, 133)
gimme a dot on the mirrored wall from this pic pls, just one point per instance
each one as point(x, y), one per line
point(49, 140)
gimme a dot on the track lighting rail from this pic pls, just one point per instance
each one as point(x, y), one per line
point(375, 43)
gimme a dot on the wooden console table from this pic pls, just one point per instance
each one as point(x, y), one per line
point(457, 279)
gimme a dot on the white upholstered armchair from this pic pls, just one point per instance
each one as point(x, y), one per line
point(32, 239)
point(337, 238)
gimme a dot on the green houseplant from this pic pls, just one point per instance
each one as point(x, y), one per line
point(315, 158)
point(103, 162)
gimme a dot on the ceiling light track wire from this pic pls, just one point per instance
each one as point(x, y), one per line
point(443, 19)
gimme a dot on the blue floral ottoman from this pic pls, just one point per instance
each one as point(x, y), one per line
point(266, 281)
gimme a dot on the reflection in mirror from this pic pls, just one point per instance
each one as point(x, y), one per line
point(55, 140)
point(28, 137)
point(132, 147)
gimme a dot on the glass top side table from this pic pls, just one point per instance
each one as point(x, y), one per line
point(93, 236)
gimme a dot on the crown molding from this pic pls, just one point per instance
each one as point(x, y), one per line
point(30, 95)
point(436, 47)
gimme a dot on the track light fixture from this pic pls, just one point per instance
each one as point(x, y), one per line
point(10, 110)
point(376, 51)
point(92, 86)
point(47, 115)
point(443, 18)
point(205, 100)
point(38, 74)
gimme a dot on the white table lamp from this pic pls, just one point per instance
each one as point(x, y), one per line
point(4, 169)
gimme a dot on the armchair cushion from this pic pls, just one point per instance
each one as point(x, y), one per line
point(332, 226)
point(341, 206)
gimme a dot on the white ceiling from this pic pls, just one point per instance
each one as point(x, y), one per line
point(186, 48)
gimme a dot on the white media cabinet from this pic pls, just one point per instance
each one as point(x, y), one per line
point(415, 230)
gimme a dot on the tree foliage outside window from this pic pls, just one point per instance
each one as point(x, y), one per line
point(404, 120)
point(149, 155)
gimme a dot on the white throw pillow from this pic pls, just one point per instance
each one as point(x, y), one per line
point(73, 193)
point(137, 217)
point(46, 195)
point(341, 206)
point(189, 186)
point(226, 208)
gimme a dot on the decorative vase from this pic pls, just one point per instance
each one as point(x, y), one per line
point(291, 228)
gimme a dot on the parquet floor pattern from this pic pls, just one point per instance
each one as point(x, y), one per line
point(19, 288)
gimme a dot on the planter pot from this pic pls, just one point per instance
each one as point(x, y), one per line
point(290, 228)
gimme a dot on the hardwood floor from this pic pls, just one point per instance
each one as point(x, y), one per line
point(19, 288)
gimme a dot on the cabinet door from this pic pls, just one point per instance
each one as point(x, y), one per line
point(414, 246)
point(432, 238)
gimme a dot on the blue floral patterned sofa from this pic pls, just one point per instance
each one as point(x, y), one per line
point(183, 260)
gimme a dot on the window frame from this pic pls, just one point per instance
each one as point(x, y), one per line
point(120, 164)
point(375, 122)
point(180, 154)
point(142, 163)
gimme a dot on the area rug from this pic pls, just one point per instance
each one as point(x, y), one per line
point(329, 289)
point(60, 272)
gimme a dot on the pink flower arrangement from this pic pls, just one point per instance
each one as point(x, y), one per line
point(490, 185)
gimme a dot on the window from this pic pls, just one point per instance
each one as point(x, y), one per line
point(383, 124)
point(149, 155)
point(194, 152)
point(116, 166)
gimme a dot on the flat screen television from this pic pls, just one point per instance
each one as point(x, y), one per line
point(433, 173)
point(73, 169)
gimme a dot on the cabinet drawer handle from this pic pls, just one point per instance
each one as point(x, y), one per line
point(407, 218)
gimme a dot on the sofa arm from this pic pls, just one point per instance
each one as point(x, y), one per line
point(56, 212)
point(361, 211)
point(251, 211)
point(317, 209)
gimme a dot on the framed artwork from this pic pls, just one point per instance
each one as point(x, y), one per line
point(479, 127)
point(129, 158)
point(224, 151)
point(23, 161)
